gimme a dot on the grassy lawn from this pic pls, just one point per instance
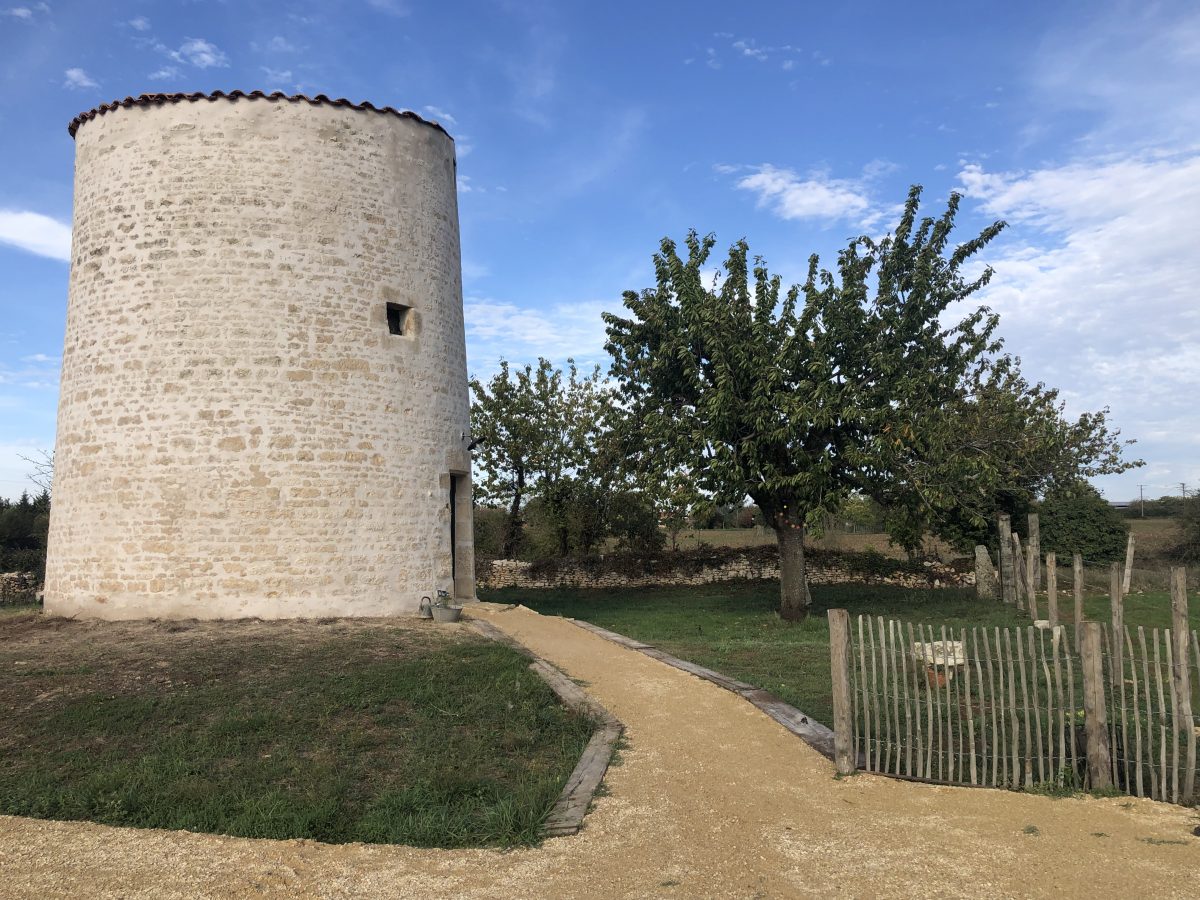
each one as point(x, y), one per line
point(733, 628)
point(335, 730)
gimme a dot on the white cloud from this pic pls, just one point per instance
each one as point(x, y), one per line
point(280, 44)
point(200, 53)
point(164, 73)
point(440, 114)
point(277, 76)
point(35, 233)
point(1095, 287)
point(1132, 68)
point(25, 13)
point(813, 196)
point(139, 23)
point(77, 78)
point(500, 329)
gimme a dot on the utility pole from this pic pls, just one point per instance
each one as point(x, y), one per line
point(1142, 499)
point(1183, 489)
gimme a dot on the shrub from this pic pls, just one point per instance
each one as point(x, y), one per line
point(1076, 519)
point(489, 531)
point(1188, 531)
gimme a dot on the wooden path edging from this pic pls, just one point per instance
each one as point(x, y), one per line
point(812, 732)
point(566, 817)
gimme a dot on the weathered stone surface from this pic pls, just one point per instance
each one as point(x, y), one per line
point(512, 573)
point(17, 587)
point(986, 586)
point(239, 434)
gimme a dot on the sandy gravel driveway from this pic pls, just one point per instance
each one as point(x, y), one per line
point(713, 799)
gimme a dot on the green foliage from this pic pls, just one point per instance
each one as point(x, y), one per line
point(24, 524)
point(1074, 518)
point(532, 428)
point(1001, 443)
point(798, 398)
point(1188, 547)
point(490, 524)
point(633, 521)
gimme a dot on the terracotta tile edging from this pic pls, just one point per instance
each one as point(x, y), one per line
point(809, 730)
point(317, 100)
point(566, 816)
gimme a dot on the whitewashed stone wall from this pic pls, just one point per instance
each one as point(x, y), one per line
point(238, 432)
point(511, 573)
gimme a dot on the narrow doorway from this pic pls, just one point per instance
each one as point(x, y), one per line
point(454, 479)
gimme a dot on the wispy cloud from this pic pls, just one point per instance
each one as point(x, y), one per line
point(139, 23)
point(500, 329)
point(440, 114)
point(280, 44)
point(164, 73)
point(200, 53)
point(1095, 286)
point(276, 77)
point(749, 48)
point(1133, 68)
point(815, 195)
point(26, 13)
point(77, 79)
point(35, 233)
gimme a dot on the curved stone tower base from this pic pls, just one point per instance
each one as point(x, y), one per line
point(264, 396)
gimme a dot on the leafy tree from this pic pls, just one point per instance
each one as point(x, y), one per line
point(798, 398)
point(1074, 518)
point(633, 520)
point(532, 428)
point(995, 447)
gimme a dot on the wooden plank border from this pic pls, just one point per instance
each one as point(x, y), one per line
point(566, 816)
point(812, 732)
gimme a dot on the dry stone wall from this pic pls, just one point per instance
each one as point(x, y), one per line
point(747, 566)
point(239, 434)
point(17, 587)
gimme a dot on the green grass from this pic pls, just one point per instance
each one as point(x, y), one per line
point(331, 732)
point(734, 629)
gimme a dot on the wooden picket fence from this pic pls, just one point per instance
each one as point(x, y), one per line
point(1064, 707)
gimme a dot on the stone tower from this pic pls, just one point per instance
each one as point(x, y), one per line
point(264, 392)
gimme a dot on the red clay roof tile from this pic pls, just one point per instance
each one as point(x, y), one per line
point(318, 100)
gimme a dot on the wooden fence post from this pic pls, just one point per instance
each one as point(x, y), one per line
point(1181, 675)
point(839, 666)
point(1077, 569)
point(1052, 589)
point(1035, 557)
point(1099, 761)
point(1007, 575)
point(1117, 609)
point(1021, 577)
point(1128, 566)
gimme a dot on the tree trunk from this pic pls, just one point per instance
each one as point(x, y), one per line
point(512, 528)
point(794, 598)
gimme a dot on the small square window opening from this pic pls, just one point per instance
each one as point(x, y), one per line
point(397, 317)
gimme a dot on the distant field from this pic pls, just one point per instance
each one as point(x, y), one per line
point(1154, 537)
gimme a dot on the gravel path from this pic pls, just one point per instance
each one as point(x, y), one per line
point(713, 799)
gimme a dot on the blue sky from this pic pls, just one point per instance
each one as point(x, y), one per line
point(588, 131)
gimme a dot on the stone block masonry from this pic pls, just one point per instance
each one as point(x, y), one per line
point(732, 565)
point(240, 431)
